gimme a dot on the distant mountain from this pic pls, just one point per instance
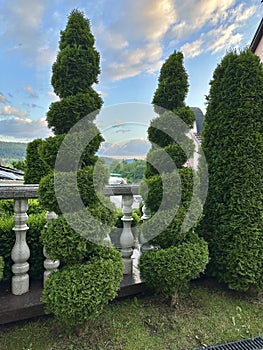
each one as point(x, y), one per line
point(136, 147)
point(12, 150)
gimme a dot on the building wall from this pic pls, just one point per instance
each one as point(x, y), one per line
point(259, 49)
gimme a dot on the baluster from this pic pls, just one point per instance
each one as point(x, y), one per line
point(49, 264)
point(145, 246)
point(20, 252)
point(126, 238)
point(146, 212)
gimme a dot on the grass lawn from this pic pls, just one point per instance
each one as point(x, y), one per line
point(209, 314)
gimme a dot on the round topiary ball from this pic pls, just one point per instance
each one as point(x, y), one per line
point(169, 270)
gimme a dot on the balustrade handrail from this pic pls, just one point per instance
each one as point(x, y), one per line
point(122, 189)
point(31, 191)
point(18, 191)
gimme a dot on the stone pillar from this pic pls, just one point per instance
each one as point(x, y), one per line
point(126, 238)
point(20, 252)
point(49, 264)
point(145, 246)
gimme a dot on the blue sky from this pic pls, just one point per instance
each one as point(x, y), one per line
point(134, 38)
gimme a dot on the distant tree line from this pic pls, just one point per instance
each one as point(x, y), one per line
point(10, 151)
point(133, 171)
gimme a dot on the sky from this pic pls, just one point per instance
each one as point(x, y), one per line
point(134, 38)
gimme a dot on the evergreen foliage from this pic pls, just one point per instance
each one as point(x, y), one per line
point(77, 66)
point(172, 83)
point(36, 168)
point(61, 185)
point(1, 267)
point(132, 171)
point(90, 275)
point(76, 69)
point(19, 164)
point(233, 144)
point(168, 188)
point(65, 113)
point(168, 271)
point(35, 223)
point(64, 243)
point(78, 293)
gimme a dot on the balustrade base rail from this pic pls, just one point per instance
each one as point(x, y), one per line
point(15, 308)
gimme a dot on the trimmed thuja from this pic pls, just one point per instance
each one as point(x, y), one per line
point(168, 189)
point(233, 144)
point(90, 275)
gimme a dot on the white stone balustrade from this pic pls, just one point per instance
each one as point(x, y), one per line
point(145, 245)
point(127, 239)
point(20, 252)
point(50, 265)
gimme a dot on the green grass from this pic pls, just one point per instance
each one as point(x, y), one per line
point(208, 315)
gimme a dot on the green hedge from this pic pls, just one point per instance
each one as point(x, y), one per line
point(7, 240)
point(7, 207)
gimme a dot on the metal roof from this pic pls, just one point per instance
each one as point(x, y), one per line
point(10, 174)
point(199, 116)
point(258, 35)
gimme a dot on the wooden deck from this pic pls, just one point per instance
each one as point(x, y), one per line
point(15, 308)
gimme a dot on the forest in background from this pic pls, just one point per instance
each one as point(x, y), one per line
point(12, 151)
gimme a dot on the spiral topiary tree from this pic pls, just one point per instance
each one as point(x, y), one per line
point(77, 292)
point(168, 188)
point(233, 145)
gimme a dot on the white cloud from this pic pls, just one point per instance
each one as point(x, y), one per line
point(52, 96)
point(30, 91)
point(10, 111)
point(222, 38)
point(110, 40)
point(192, 49)
point(147, 19)
point(103, 93)
point(24, 128)
point(239, 14)
point(3, 99)
point(137, 37)
point(213, 41)
point(193, 15)
point(133, 42)
point(224, 19)
point(22, 31)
